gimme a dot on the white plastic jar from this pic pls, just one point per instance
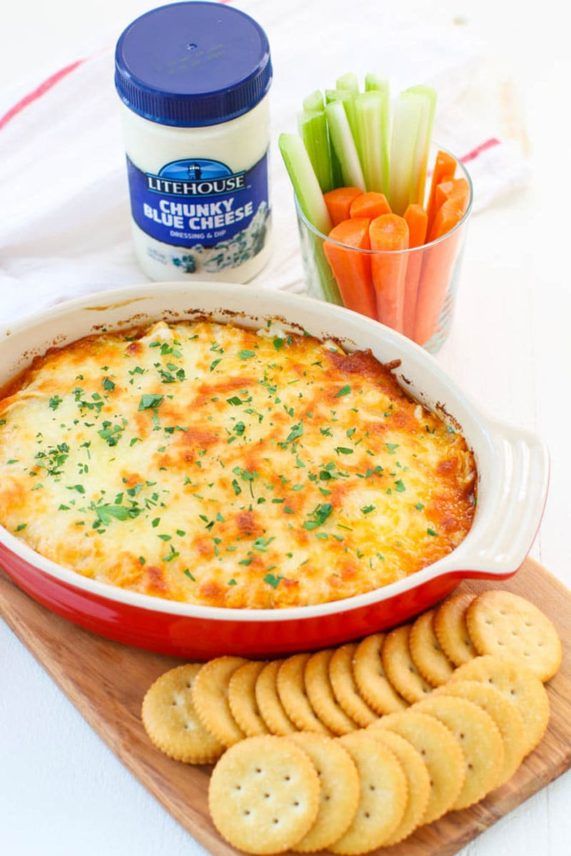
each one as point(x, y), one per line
point(193, 79)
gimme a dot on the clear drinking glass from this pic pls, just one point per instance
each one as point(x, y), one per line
point(414, 290)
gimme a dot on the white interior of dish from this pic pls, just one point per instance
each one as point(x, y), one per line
point(512, 464)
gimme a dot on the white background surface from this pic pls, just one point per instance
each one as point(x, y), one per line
point(62, 792)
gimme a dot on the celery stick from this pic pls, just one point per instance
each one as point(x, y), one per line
point(348, 82)
point(344, 145)
point(372, 111)
point(424, 137)
point(373, 83)
point(409, 118)
point(313, 130)
point(348, 101)
point(304, 180)
point(314, 101)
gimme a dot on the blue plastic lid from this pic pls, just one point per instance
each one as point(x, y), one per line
point(192, 64)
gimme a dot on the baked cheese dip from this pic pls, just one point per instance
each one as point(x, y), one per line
point(222, 466)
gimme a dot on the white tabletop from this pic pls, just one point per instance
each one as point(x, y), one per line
point(62, 791)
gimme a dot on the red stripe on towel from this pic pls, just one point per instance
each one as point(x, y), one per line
point(38, 92)
point(483, 147)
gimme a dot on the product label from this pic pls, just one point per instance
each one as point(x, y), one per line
point(218, 215)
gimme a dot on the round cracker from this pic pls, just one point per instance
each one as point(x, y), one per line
point(426, 653)
point(452, 631)
point(345, 687)
point(371, 679)
point(504, 713)
point(382, 795)
point(320, 693)
point(417, 779)
point(170, 719)
point(505, 624)
point(291, 690)
point(268, 701)
point(399, 667)
point(480, 741)
point(264, 795)
point(210, 698)
point(242, 699)
point(439, 750)
point(339, 795)
point(518, 685)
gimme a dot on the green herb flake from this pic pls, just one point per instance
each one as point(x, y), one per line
point(273, 580)
point(343, 450)
point(108, 384)
point(278, 343)
point(400, 486)
point(187, 573)
point(391, 447)
point(366, 509)
point(214, 363)
point(432, 532)
point(419, 506)
point(318, 516)
point(246, 354)
point(150, 401)
point(54, 402)
point(345, 390)
point(20, 527)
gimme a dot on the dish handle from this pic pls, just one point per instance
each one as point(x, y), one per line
point(514, 480)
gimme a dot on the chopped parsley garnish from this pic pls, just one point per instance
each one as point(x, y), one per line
point(214, 363)
point(318, 516)
point(246, 354)
point(400, 486)
point(262, 544)
point(112, 433)
point(108, 384)
point(343, 450)
point(366, 509)
point(432, 532)
point(419, 506)
point(278, 343)
point(108, 512)
point(273, 580)
point(239, 428)
point(236, 487)
point(235, 401)
point(391, 447)
point(187, 573)
point(20, 527)
point(54, 402)
point(150, 401)
point(345, 390)
point(232, 582)
point(295, 433)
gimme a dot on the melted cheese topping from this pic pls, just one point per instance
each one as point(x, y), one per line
point(207, 463)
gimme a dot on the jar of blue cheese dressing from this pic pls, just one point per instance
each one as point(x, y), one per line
point(193, 79)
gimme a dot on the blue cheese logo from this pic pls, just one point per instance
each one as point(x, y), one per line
point(196, 177)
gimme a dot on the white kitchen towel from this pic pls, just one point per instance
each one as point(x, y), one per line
point(65, 227)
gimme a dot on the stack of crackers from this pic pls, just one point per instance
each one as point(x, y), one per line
point(352, 749)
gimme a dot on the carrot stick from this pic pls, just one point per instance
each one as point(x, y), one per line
point(389, 232)
point(417, 221)
point(455, 188)
point(435, 279)
point(448, 215)
point(352, 269)
point(444, 169)
point(339, 201)
point(370, 205)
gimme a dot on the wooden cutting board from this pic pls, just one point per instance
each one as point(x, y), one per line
point(107, 681)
